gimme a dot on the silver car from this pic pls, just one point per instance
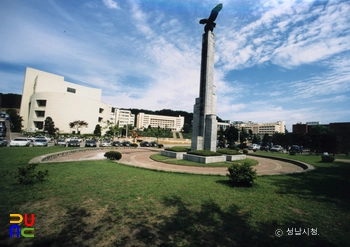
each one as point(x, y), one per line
point(40, 142)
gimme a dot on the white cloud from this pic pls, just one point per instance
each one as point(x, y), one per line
point(111, 4)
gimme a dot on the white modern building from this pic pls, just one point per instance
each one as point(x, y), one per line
point(224, 125)
point(262, 128)
point(49, 95)
point(174, 123)
point(124, 117)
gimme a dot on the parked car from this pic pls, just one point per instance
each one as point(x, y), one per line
point(117, 144)
point(264, 148)
point(60, 142)
point(3, 142)
point(20, 142)
point(90, 143)
point(40, 142)
point(296, 148)
point(145, 144)
point(276, 148)
point(74, 138)
point(126, 144)
point(105, 143)
point(42, 137)
point(254, 146)
point(74, 143)
point(153, 144)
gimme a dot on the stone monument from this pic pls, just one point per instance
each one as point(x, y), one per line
point(204, 127)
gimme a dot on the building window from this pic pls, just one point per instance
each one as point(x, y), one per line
point(100, 119)
point(39, 125)
point(101, 110)
point(40, 113)
point(71, 90)
point(41, 102)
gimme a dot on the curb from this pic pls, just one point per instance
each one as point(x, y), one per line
point(47, 157)
point(306, 167)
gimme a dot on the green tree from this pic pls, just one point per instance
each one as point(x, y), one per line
point(267, 140)
point(231, 135)
point(187, 128)
point(256, 139)
point(322, 139)
point(49, 126)
point(97, 131)
point(280, 139)
point(15, 120)
point(78, 125)
point(243, 136)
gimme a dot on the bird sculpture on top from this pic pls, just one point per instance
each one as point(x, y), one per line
point(209, 23)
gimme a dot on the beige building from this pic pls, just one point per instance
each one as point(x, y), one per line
point(174, 123)
point(262, 128)
point(124, 117)
point(49, 95)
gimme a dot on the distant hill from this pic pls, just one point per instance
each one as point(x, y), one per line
point(10, 100)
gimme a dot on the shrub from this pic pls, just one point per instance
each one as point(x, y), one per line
point(178, 149)
point(242, 174)
point(228, 151)
point(245, 151)
point(292, 152)
point(233, 147)
point(134, 145)
point(204, 153)
point(160, 145)
point(113, 155)
point(327, 158)
point(26, 174)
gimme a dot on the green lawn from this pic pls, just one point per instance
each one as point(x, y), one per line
point(102, 203)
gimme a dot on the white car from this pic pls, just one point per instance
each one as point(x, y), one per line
point(60, 142)
point(20, 142)
point(254, 147)
point(105, 144)
point(40, 142)
point(276, 148)
point(42, 137)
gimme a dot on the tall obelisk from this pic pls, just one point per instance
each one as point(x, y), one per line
point(204, 126)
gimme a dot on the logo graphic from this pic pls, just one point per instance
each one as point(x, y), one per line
point(26, 232)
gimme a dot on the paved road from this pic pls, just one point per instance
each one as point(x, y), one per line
point(139, 157)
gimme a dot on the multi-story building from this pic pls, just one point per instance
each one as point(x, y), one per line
point(224, 125)
point(49, 95)
point(339, 128)
point(124, 117)
point(262, 128)
point(174, 123)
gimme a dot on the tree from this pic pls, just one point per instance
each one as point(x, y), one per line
point(49, 126)
point(243, 136)
point(97, 131)
point(15, 120)
point(187, 128)
point(78, 125)
point(231, 135)
point(266, 139)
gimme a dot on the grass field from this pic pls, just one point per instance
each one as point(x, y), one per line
point(103, 203)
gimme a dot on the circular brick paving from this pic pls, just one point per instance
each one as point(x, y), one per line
point(140, 157)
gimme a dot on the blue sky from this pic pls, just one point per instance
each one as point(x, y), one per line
point(275, 60)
